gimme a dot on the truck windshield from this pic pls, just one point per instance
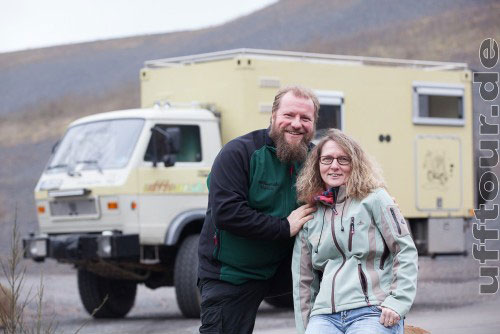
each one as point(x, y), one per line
point(97, 145)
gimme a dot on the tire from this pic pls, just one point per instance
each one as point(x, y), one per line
point(186, 277)
point(94, 288)
point(283, 301)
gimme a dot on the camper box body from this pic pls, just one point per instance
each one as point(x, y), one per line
point(414, 117)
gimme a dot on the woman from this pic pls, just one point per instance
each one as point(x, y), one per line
point(354, 264)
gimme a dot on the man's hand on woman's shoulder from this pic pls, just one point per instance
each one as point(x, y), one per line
point(299, 217)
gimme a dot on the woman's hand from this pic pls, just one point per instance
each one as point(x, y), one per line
point(388, 317)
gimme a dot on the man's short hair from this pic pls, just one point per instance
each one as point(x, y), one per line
point(297, 91)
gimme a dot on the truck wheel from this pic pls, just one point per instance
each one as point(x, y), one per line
point(283, 301)
point(94, 288)
point(186, 277)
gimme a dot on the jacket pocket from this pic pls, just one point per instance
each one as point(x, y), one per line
point(398, 220)
point(384, 256)
point(363, 282)
point(351, 234)
point(393, 214)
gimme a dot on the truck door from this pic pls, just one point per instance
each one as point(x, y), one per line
point(439, 173)
point(330, 112)
point(166, 192)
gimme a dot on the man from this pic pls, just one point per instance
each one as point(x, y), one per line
point(252, 213)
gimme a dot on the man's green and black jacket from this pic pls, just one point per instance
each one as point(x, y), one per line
point(246, 234)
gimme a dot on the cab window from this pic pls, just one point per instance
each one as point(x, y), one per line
point(190, 143)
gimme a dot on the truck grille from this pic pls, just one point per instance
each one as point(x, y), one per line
point(73, 207)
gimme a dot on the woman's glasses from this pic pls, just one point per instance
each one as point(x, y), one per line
point(327, 160)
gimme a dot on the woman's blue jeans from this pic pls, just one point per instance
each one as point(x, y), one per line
point(364, 320)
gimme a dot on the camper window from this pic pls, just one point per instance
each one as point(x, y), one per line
point(438, 105)
point(328, 117)
point(190, 150)
point(330, 111)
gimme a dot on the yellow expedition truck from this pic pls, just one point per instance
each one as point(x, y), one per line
point(124, 194)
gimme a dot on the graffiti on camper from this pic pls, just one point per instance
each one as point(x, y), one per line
point(437, 169)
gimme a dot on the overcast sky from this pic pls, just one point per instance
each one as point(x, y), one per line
point(26, 24)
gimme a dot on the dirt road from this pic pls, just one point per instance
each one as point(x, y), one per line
point(447, 302)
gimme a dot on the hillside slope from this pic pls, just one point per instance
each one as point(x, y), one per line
point(426, 29)
point(41, 90)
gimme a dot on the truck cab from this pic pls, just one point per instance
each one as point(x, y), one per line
point(122, 197)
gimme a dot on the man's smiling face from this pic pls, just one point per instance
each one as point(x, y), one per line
point(292, 127)
point(293, 122)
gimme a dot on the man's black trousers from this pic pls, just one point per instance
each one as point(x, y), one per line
point(228, 308)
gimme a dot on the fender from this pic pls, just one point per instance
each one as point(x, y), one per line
point(179, 222)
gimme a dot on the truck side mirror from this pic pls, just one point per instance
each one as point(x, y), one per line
point(168, 147)
point(173, 140)
point(172, 146)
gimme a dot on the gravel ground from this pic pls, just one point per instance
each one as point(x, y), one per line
point(448, 301)
point(448, 289)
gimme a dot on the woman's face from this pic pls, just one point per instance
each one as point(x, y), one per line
point(332, 172)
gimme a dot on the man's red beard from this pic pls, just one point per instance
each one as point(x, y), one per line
point(286, 152)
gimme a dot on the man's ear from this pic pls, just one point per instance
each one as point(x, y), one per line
point(273, 114)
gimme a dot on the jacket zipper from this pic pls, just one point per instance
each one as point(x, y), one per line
point(343, 260)
point(396, 220)
point(351, 234)
point(364, 283)
point(216, 239)
point(290, 183)
point(384, 256)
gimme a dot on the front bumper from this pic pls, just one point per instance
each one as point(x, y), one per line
point(77, 247)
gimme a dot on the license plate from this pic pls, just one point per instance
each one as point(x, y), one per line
point(73, 208)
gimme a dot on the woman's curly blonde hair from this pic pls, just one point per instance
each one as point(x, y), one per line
point(365, 176)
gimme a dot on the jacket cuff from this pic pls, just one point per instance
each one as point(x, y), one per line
point(285, 229)
point(395, 305)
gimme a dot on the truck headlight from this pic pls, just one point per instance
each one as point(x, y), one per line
point(104, 246)
point(37, 248)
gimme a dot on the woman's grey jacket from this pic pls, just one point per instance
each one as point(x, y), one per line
point(354, 254)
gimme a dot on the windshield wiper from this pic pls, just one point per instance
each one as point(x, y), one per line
point(57, 166)
point(90, 162)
